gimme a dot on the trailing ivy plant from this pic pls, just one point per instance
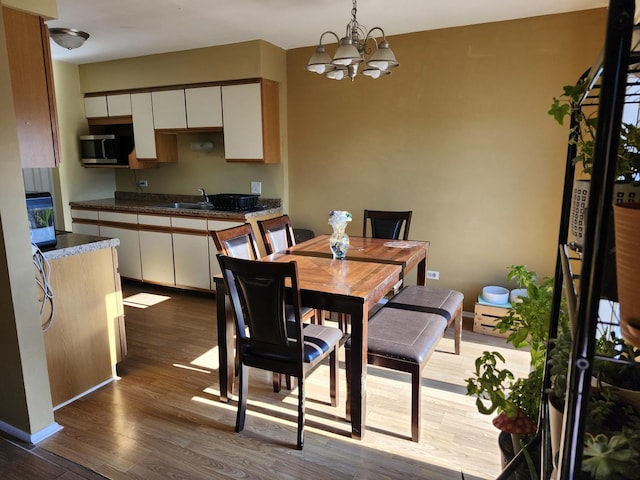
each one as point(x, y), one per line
point(583, 133)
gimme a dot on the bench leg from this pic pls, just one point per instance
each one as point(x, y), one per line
point(458, 330)
point(416, 401)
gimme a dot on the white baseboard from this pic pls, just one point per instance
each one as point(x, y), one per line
point(63, 404)
point(30, 437)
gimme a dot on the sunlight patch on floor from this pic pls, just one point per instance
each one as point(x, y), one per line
point(209, 359)
point(144, 300)
point(193, 369)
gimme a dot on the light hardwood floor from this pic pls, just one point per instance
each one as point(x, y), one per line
point(162, 418)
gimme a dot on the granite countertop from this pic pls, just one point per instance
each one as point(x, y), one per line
point(151, 203)
point(68, 243)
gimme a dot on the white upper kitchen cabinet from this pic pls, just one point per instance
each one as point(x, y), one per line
point(119, 105)
point(242, 112)
point(169, 109)
point(204, 107)
point(251, 122)
point(143, 131)
point(96, 107)
point(107, 106)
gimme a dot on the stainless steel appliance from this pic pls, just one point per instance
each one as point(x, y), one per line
point(105, 149)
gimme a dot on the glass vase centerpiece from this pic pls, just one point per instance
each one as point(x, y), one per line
point(339, 240)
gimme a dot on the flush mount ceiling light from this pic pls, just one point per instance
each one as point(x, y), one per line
point(68, 38)
point(357, 46)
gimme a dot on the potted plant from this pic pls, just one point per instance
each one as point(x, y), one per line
point(582, 135)
point(612, 439)
point(496, 388)
point(626, 219)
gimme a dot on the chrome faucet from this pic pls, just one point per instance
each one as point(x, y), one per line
point(204, 194)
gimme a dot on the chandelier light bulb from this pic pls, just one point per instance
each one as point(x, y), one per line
point(373, 73)
point(337, 74)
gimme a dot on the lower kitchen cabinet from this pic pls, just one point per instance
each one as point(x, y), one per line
point(156, 250)
point(86, 337)
point(159, 248)
point(191, 252)
point(85, 221)
point(127, 232)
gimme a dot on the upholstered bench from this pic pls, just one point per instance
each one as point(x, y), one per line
point(405, 331)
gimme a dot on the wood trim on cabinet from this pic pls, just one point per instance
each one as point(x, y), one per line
point(270, 121)
point(166, 147)
point(29, 58)
point(51, 91)
point(122, 120)
point(175, 87)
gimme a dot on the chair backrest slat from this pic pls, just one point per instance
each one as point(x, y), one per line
point(237, 242)
point(387, 224)
point(277, 234)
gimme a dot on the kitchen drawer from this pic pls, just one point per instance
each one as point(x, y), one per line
point(108, 216)
point(155, 220)
point(214, 225)
point(84, 214)
point(190, 223)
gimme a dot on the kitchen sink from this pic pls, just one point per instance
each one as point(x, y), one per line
point(187, 205)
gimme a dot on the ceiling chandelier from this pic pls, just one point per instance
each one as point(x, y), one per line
point(353, 49)
point(68, 38)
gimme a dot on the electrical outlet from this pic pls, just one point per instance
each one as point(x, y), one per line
point(433, 275)
point(143, 183)
point(256, 187)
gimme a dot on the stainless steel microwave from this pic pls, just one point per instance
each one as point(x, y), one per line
point(99, 149)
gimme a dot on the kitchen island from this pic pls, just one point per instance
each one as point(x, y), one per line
point(160, 241)
point(83, 321)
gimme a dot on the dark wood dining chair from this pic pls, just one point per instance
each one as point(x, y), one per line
point(387, 224)
point(277, 233)
point(271, 336)
point(237, 242)
point(240, 242)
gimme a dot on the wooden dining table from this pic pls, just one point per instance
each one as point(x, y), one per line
point(351, 286)
point(406, 253)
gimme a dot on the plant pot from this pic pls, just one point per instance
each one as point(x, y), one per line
point(556, 416)
point(627, 235)
point(507, 453)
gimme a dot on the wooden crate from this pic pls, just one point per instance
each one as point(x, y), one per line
point(485, 317)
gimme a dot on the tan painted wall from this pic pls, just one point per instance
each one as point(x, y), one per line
point(25, 400)
point(46, 8)
point(458, 133)
point(73, 181)
point(226, 62)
